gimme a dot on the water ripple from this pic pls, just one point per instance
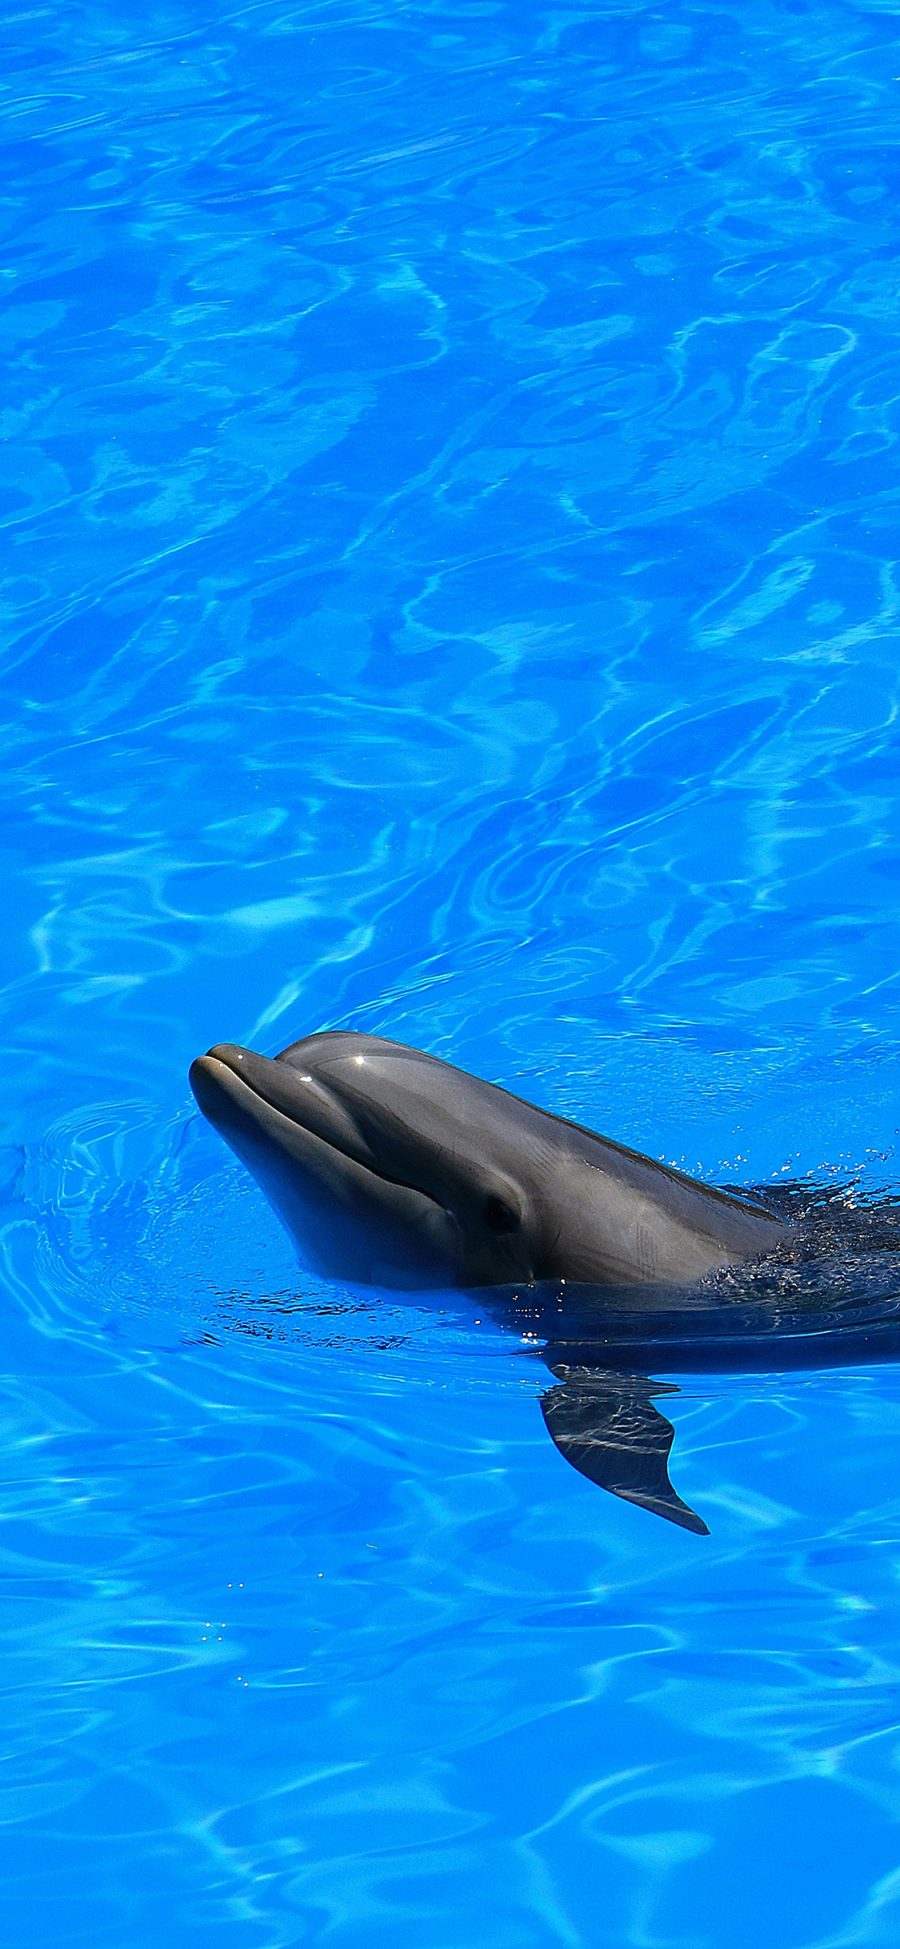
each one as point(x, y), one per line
point(449, 505)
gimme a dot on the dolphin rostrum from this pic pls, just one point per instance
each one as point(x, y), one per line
point(391, 1167)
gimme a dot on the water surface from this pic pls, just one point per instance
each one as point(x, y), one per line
point(449, 501)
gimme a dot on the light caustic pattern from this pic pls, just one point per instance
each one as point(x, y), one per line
point(449, 501)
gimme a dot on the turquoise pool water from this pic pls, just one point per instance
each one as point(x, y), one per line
point(449, 487)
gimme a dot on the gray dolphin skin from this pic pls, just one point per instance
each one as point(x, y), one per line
point(391, 1167)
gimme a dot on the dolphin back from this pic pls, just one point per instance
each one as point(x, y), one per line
point(635, 1221)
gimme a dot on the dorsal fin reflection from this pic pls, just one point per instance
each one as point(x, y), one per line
point(606, 1426)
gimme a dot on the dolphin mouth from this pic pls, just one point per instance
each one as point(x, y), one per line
point(240, 1092)
point(229, 1078)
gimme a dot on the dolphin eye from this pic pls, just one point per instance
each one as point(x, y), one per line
point(499, 1216)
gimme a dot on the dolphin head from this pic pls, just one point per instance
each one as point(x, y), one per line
point(386, 1165)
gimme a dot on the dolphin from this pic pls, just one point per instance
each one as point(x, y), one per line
point(440, 1173)
point(389, 1166)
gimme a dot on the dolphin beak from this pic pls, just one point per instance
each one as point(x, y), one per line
point(220, 1082)
point(238, 1090)
point(205, 1081)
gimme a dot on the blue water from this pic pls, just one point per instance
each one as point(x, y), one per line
point(450, 498)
